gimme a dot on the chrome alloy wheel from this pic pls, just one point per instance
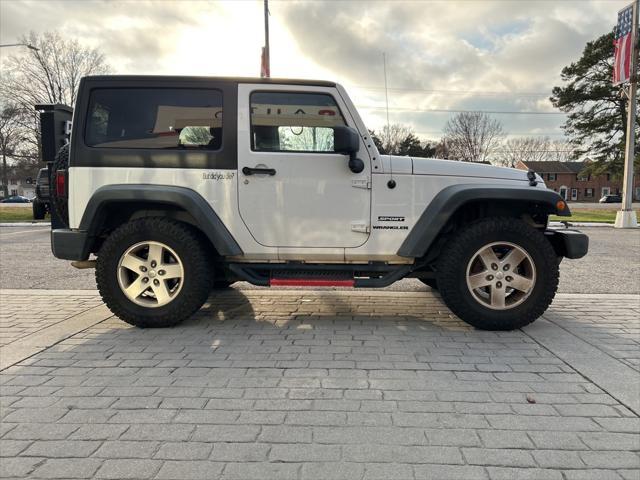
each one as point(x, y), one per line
point(501, 275)
point(150, 274)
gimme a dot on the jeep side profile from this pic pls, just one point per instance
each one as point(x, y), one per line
point(179, 185)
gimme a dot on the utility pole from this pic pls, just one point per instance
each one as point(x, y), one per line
point(265, 70)
point(626, 217)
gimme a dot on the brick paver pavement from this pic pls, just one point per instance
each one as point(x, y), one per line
point(327, 385)
point(20, 316)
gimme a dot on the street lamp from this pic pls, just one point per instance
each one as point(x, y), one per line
point(28, 45)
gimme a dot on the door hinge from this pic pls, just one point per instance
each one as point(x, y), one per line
point(361, 227)
point(361, 184)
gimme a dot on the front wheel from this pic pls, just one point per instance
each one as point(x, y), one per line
point(498, 274)
point(153, 272)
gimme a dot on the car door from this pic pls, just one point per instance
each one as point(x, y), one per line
point(294, 190)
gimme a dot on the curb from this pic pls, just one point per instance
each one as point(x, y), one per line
point(26, 224)
point(581, 224)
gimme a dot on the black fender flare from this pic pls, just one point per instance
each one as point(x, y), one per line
point(185, 198)
point(451, 198)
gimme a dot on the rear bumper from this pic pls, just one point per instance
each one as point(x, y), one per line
point(568, 243)
point(70, 244)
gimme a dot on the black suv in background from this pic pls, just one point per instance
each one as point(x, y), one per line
point(41, 203)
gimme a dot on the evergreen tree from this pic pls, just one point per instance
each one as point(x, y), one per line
point(597, 112)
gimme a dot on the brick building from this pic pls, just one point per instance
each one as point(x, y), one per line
point(567, 179)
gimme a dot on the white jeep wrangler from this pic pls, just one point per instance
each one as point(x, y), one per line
point(180, 185)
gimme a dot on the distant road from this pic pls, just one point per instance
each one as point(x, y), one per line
point(612, 265)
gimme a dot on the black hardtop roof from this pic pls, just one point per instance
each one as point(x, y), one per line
point(181, 78)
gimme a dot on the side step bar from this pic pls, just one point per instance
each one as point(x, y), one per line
point(318, 275)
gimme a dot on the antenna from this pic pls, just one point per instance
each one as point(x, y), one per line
point(391, 183)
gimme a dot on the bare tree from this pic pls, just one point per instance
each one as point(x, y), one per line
point(392, 136)
point(526, 149)
point(531, 149)
point(12, 134)
point(50, 74)
point(472, 136)
point(562, 151)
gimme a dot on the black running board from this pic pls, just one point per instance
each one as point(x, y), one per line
point(320, 275)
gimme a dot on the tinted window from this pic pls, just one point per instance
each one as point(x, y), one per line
point(155, 118)
point(294, 122)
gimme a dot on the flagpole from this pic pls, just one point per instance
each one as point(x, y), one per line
point(626, 216)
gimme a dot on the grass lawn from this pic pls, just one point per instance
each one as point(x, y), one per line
point(24, 214)
point(18, 214)
point(586, 215)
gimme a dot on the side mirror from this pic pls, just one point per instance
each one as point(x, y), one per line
point(347, 141)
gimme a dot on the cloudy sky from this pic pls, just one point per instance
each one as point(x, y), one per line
point(442, 56)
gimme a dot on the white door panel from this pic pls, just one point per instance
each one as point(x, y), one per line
point(310, 202)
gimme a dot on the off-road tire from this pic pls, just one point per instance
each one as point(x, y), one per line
point(189, 247)
point(60, 204)
point(452, 266)
point(432, 283)
point(39, 210)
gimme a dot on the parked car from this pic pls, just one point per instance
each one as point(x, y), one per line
point(611, 198)
point(41, 204)
point(15, 199)
point(287, 188)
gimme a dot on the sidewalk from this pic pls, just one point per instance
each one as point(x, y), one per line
point(318, 384)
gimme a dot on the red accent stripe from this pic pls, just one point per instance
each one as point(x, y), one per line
point(309, 282)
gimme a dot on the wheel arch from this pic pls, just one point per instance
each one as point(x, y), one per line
point(112, 205)
point(459, 203)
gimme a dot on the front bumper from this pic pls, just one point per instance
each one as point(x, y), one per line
point(69, 244)
point(568, 243)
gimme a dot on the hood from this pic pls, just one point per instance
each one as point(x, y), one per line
point(433, 166)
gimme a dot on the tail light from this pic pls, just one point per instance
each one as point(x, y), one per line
point(61, 183)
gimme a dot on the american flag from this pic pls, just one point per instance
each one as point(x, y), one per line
point(623, 43)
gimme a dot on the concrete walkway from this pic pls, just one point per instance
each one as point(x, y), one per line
point(318, 384)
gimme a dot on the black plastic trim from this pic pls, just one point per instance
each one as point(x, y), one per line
point(185, 198)
point(568, 243)
point(451, 198)
point(70, 244)
point(385, 280)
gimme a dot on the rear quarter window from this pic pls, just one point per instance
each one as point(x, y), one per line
point(154, 118)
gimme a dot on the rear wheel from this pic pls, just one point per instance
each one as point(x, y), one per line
point(153, 272)
point(498, 274)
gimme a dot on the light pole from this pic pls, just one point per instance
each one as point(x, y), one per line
point(28, 45)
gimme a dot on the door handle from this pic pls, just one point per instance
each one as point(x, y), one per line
point(259, 171)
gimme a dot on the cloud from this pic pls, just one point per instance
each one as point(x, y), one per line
point(440, 54)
